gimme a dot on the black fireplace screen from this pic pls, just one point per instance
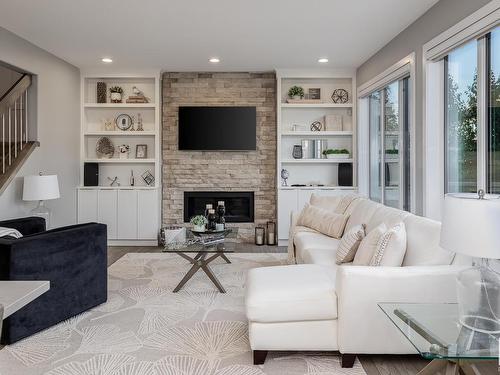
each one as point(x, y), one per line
point(239, 205)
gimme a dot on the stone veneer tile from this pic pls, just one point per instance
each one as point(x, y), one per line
point(217, 171)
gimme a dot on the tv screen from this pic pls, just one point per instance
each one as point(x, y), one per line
point(217, 128)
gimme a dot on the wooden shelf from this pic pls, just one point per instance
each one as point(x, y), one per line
point(316, 105)
point(122, 187)
point(121, 161)
point(120, 105)
point(316, 161)
point(318, 134)
point(123, 133)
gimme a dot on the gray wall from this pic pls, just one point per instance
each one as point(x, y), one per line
point(57, 86)
point(439, 18)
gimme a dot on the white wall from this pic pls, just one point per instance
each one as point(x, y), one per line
point(58, 115)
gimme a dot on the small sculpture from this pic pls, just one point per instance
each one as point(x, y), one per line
point(284, 176)
point(137, 92)
point(114, 181)
point(140, 128)
point(109, 124)
point(124, 151)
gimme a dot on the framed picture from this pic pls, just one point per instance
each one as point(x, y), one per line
point(148, 178)
point(314, 93)
point(141, 151)
point(124, 122)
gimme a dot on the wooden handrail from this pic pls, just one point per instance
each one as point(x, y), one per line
point(10, 97)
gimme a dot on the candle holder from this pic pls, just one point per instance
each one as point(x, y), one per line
point(271, 233)
point(260, 233)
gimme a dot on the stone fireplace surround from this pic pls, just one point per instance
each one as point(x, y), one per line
point(237, 171)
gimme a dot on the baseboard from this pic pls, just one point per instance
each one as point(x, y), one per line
point(132, 243)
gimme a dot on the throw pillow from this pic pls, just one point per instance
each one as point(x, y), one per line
point(368, 246)
point(349, 244)
point(391, 247)
point(9, 232)
point(326, 203)
point(325, 222)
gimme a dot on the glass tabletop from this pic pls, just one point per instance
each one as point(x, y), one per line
point(209, 242)
point(435, 331)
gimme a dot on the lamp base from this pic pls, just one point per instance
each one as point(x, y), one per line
point(479, 299)
point(42, 211)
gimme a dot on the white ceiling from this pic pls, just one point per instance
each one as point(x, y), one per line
point(180, 35)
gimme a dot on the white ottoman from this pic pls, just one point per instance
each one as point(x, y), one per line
point(291, 308)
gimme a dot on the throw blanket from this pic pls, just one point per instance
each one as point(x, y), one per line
point(4, 232)
point(341, 208)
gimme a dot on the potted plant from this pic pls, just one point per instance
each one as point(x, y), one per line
point(199, 222)
point(296, 92)
point(333, 153)
point(116, 94)
point(392, 154)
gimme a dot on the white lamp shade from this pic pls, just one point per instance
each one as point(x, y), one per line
point(471, 226)
point(40, 188)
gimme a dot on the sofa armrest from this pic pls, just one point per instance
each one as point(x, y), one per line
point(25, 225)
point(362, 324)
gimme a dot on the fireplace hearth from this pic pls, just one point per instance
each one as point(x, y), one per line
point(239, 204)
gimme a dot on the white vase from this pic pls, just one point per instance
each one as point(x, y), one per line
point(116, 97)
point(199, 228)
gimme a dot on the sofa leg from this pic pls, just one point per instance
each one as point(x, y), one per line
point(347, 360)
point(259, 357)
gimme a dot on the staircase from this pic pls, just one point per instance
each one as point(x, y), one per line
point(16, 144)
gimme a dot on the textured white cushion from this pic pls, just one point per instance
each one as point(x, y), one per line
point(290, 293)
point(309, 240)
point(391, 247)
point(324, 221)
point(360, 212)
point(349, 244)
point(326, 203)
point(322, 257)
point(387, 215)
point(368, 245)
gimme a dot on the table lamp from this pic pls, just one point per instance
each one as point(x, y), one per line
point(41, 188)
point(471, 226)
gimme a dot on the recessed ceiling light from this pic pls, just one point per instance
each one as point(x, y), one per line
point(323, 60)
point(106, 60)
point(214, 60)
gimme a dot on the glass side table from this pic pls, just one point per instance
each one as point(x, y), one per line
point(434, 330)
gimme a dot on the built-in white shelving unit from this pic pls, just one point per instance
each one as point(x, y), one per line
point(319, 175)
point(131, 212)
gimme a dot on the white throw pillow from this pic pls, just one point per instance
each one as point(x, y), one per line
point(349, 244)
point(391, 247)
point(10, 232)
point(368, 246)
point(325, 222)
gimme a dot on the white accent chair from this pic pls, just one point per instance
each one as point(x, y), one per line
point(319, 305)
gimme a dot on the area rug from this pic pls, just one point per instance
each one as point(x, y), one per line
point(145, 329)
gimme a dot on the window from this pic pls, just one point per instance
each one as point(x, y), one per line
point(390, 168)
point(461, 119)
point(471, 117)
point(493, 55)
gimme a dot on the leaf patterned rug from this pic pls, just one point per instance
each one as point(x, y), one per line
point(145, 329)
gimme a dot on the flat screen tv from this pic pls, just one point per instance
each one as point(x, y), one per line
point(217, 128)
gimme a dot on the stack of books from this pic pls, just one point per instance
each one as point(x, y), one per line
point(212, 239)
point(137, 99)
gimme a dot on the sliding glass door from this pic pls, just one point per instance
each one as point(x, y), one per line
point(493, 122)
point(390, 145)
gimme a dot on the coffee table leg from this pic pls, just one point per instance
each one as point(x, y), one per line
point(189, 275)
point(223, 256)
point(212, 277)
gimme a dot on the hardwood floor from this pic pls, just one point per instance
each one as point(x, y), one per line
point(373, 364)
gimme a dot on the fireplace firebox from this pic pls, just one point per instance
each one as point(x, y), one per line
point(239, 204)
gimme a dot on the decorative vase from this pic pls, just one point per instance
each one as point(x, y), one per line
point(116, 97)
point(296, 97)
point(101, 91)
point(221, 211)
point(212, 219)
point(297, 152)
point(199, 228)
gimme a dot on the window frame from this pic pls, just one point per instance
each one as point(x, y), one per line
point(474, 27)
point(405, 68)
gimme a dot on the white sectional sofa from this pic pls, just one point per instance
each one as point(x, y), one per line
point(319, 305)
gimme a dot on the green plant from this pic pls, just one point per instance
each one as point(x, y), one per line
point(335, 151)
point(392, 152)
point(296, 91)
point(116, 89)
point(198, 220)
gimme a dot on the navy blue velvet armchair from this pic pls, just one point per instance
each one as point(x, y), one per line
point(73, 259)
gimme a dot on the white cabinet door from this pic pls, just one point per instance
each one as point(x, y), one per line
point(107, 211)
point(147, 214)
point(127, 214)
point(304, 197)
point(287, 202)
point(87, 205)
